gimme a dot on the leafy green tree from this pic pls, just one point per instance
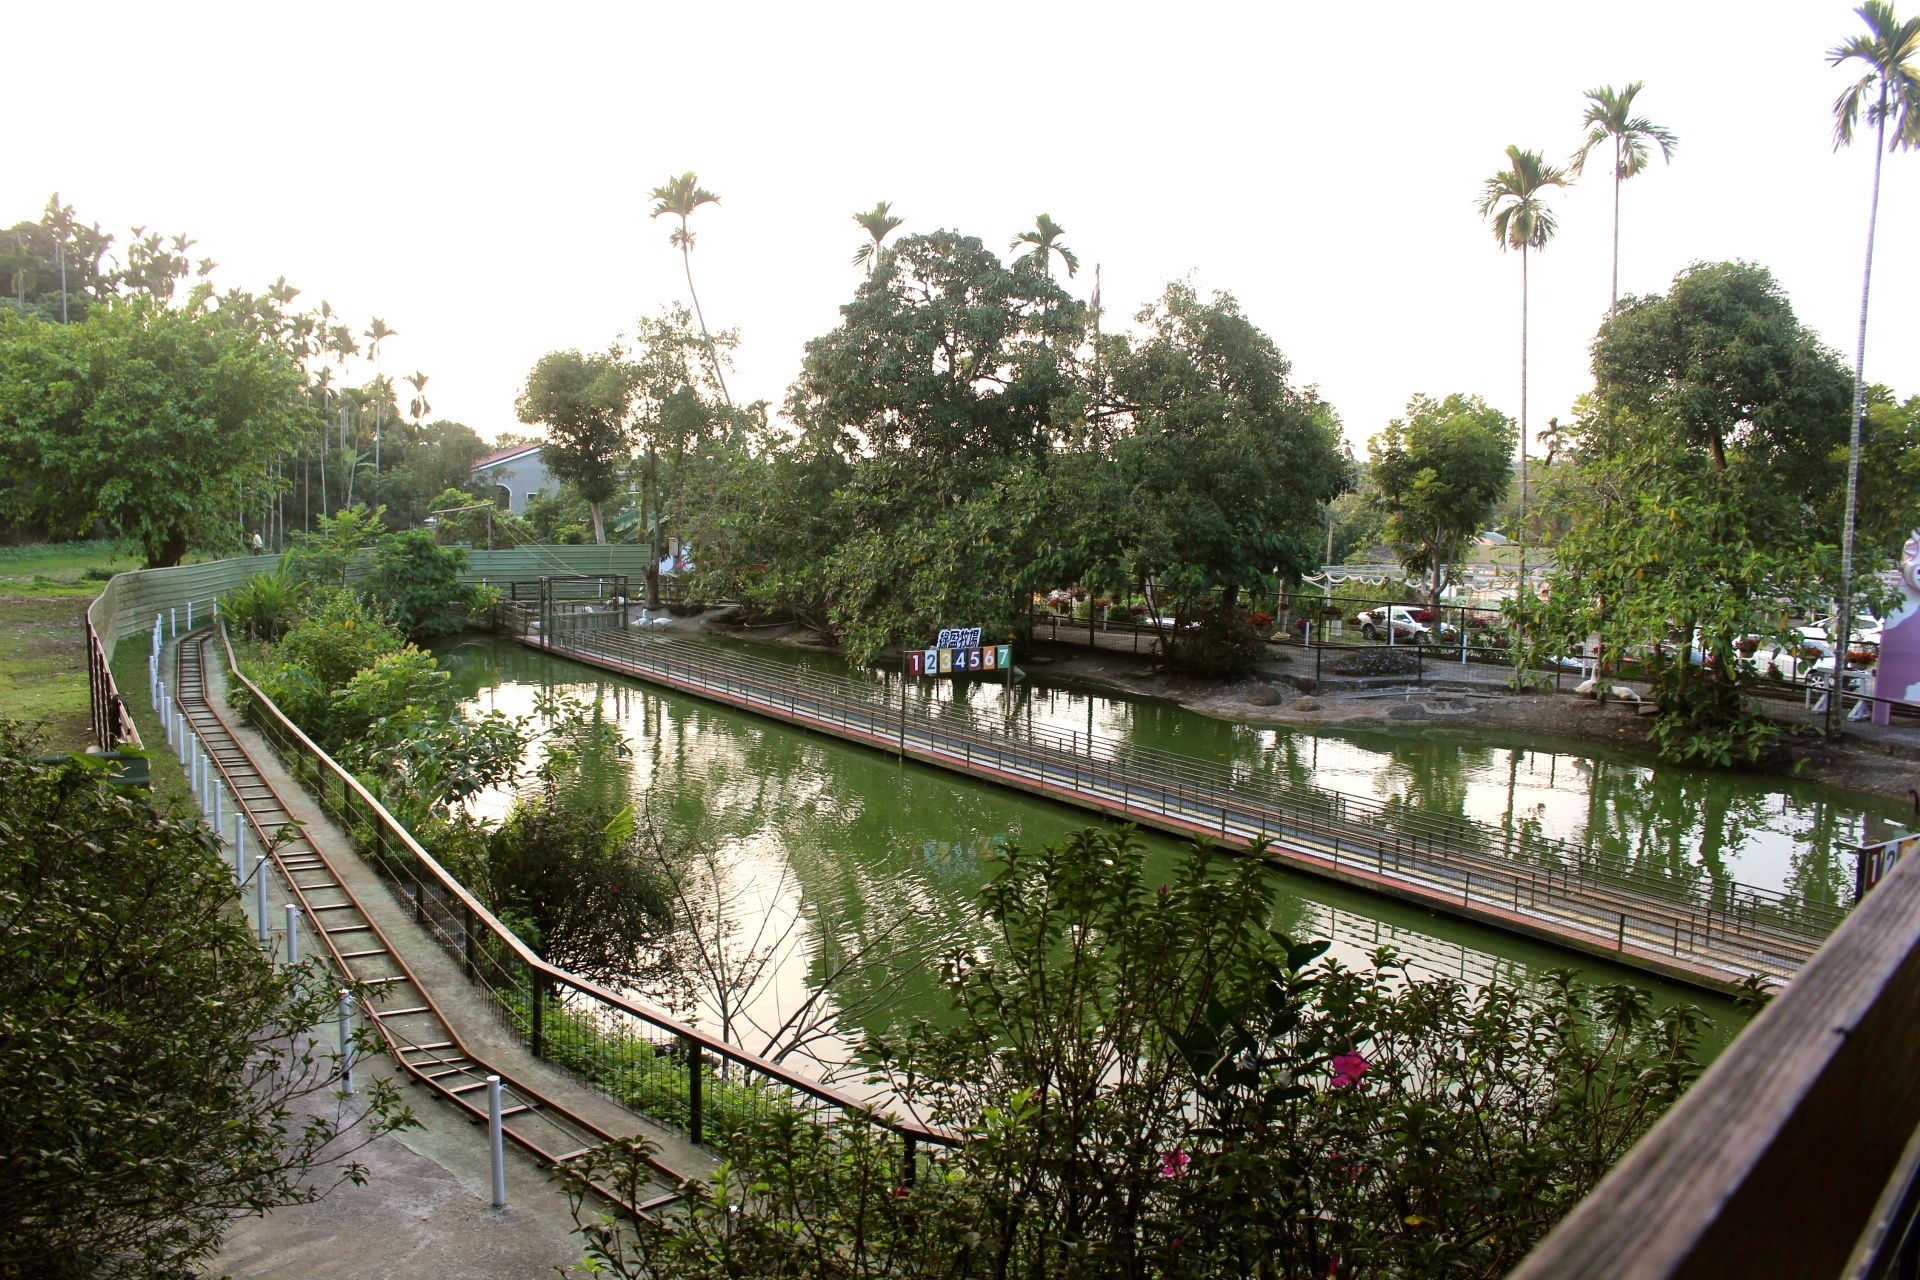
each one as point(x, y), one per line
point(1715, 428)
point(32, 255)
point(678, 198)
point(878, 222)
point(582, 401)
point(327, 556)
point(1221, 467)
point(1609, 119)
point(154, 1062)
point(932, 409)
point(1514, 201)
point(1890, 92)
point(1149, 1081)
point(149, 419)
point(417, 581)
point(1041, 244)
point(1438, 473)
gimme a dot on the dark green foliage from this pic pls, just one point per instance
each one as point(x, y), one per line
point(582, 402)
point(1711, 470)
point(148, 419)
point(262, 607)
point(150, 1089)
point(385, 709)
point(1708, 717)
point(1152, 1083)
point(1226, 467)
point(418, 582)
point(1438, 474)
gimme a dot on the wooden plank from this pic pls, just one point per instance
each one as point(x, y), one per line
point(1772, 1163)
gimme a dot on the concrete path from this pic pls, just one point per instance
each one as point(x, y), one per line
point(425, 1208)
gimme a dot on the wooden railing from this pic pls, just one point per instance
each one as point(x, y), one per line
point(1796, 1154)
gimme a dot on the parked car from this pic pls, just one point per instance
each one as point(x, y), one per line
point(1407, 629)
point(1811, 658)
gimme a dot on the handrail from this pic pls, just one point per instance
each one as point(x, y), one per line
point(478, 913)
point(1797, 922)
point(1793, 1155)
point(112, 723)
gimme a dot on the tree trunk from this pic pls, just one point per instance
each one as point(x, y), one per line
point(599, 525)
point(169, 551)
point(1613, 307)
point(686, 260)
point(1843, 636)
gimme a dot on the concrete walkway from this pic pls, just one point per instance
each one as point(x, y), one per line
point(426, 1207)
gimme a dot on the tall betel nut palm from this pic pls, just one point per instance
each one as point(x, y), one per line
point(1610, 119)
point(1521, 220)
point(1042, 243)
point(878, 222)
point(678, 198)
point(1890, 92)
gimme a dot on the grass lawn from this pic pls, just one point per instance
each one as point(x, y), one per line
point(44, 594)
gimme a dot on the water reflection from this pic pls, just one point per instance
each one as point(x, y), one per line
point(1680, 824)
point(850, 854)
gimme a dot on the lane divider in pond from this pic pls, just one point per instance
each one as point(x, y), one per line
point(1704, 944)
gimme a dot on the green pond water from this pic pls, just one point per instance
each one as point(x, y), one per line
point(822, 848)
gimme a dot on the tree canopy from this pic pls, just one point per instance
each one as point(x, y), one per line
point(147, 418)
point(1438, 474)
point(582, 401)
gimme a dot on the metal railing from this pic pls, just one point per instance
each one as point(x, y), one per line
point(655, 1064)
point(1738, 927)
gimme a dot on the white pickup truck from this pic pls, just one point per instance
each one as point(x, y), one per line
point(1406, 628)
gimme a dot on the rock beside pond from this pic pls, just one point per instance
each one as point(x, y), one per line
point(1308, 703)
point(1262, 695)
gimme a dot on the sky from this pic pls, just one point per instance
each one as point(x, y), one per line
point(477, 175)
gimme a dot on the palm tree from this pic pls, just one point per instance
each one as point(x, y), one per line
point(678, 198)
point(419, 408)
point(1043, 242)
point(1891, 91)
point(1610, 118)
point(876, 222)
point(377, 332)
point(1521, 220)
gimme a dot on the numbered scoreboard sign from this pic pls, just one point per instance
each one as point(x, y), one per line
point(946, 661)
point(916, 662)
point(989, 658)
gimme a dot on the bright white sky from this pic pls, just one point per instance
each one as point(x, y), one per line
point(477, 175)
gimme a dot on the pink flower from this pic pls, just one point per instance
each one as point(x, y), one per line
point(1174, 1163)
point(1347, 1069)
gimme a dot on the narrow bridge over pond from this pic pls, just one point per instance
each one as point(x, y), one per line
point(1711, 934)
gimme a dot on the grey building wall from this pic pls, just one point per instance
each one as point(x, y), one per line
point(521, 477)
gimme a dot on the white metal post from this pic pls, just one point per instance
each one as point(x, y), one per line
point(193, 764)
point(293, 934)
point(260, 899)
point(189, 615)
point(346, 1041)
point(217, 807)
point(173, 622)
point(496, 1143)
point(240, 848)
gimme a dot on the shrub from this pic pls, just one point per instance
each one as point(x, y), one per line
point(262, 607)
point(418, 582)
point(149, 1081)
point(1150, 1082)
point(1377, 662)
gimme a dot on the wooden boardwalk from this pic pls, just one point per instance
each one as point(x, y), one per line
point(1714, 935)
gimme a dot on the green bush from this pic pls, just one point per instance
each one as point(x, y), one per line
point(149, 1081)
point(418, 582)
point(1149, 1082)
point(262, 607)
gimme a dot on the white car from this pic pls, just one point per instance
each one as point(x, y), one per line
point(1812, 658)
point(1407, 629)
